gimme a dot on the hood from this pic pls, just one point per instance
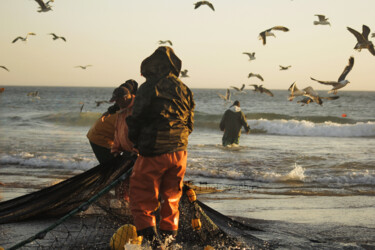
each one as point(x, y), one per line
point(161, 63)
point(235, 108)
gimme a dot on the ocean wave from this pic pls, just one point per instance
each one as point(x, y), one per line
point(73, 119)
point(307, 128)
point(61, 162)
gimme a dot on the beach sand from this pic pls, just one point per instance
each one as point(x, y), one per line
point(317, 231)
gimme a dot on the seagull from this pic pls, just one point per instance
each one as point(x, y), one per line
point(251, 55)
point(24, 38)
point(341, 81)
point(261, 89)
point(255, 75)
point(373, 35)
point(285, 67)
point(264, 34)
point(98, 103)
point(362, 39)
point(322, 20)
point(81, 108)
point(166, 41)
point(4, 68)
point(44, 7)
point(83, 67)
point(184, 73)
point(239, 89)
point(226, 97)
point(308, 92)
point(55, 37)
point(306, 100)
point(34, 94)
point(198, 4)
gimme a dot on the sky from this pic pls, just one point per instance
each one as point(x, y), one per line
point(116, 35)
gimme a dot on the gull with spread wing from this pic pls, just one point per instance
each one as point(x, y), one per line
point(284, 67)
point(308, 92)
point(24, 38)
point(55, 37)
point(184, 73)
point(255, 75)
point(341, 82)
point(251, 55)
point(261, 89)
point(264, 34)
point(323, 20)
point(198, 4)
point(226, 97)
point(362, 39)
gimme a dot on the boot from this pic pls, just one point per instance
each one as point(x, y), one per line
point(151, 235)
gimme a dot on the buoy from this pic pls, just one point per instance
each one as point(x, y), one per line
point(196, 224)
point(343, 115)
point(191, 195)
point(125, 234)
point(208, 247)
point(1, 91)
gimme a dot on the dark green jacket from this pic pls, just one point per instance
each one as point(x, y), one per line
point(163, 111)
point(231, 124)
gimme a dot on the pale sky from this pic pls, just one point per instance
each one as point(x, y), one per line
point(116, 35)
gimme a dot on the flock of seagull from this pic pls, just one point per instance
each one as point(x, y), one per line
point(309, 94)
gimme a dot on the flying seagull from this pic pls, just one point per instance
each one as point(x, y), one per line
point(23, 38)
point(306, 100)
point(285, 67)
point(255, 75)
point(83, 67)
point(251, 55)
point(81, 108)
point(341, 81)
point(239, 89)
point(4, 68)
point(55, 37)
point(226, 97)
point(184, 73)
point(166, 41)
point(373, 35)
point(323, 20)
point(264, 34)
point(362, 39)
point(198, 4)
point(261, 89)
point(44, 7)
point(308, 92)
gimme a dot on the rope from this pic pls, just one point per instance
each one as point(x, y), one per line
point(82, 207)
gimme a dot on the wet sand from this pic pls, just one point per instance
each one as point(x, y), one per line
point(300, 227)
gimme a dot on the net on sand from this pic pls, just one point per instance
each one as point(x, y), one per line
point(84, 212)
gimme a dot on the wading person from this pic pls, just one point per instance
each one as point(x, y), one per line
point(159, 127)
point(231, 123)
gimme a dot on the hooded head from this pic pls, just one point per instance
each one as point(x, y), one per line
point(161, 63)
point(236, 103)
point(131, 85)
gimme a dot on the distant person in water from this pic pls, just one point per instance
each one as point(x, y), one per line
point(231, 123)
point(102, 134)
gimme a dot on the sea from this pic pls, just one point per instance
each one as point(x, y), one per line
point(309, 167)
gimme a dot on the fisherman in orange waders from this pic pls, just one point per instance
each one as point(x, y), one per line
point(162, 119)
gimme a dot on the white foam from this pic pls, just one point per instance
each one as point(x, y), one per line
point(27, 159)
point(307, 128)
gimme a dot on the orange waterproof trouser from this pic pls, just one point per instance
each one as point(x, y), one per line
point(162, 174)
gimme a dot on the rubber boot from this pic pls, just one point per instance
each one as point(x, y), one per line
point(151, 235)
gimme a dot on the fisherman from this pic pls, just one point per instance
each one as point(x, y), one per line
point(231, 123)
point(159, 126)
point(124, 98)
point(101, 134)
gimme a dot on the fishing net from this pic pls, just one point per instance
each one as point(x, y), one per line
point(86, 210)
